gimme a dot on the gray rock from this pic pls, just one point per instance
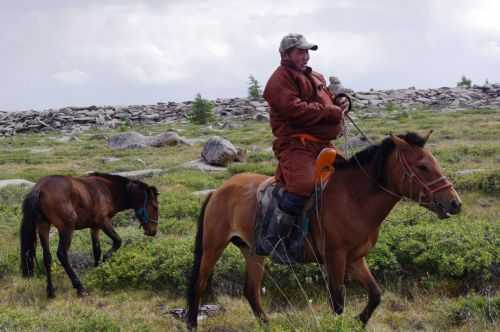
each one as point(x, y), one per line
point(219, 151)
point(134, 140)
point(16, 182)
point(203, 193)
point(168, 138)
point(109, 160)
point(141, 174)
point(469, 171)
point(201, 165)
point(128, 140)
point(263, 117)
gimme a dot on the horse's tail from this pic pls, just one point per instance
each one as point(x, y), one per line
point(31, 214)
point(198, 252)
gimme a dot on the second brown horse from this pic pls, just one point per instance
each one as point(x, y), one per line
point(71, 203)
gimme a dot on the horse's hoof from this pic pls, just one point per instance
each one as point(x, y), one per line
point(191, 326)
point(51, 295)
point(82, 293)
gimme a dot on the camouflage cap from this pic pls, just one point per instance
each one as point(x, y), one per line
point(296, 40)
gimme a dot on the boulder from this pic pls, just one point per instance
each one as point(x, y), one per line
point(219, 151)
point(134, 140)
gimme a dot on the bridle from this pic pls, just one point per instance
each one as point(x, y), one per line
point(142, 212)
point(427, 189)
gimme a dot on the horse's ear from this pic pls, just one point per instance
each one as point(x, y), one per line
point(155, 190)
point(426, 137)
point(400, 143)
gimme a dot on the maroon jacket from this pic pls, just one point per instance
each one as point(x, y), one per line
point(298, 101)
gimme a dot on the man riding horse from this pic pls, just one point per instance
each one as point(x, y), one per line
point(304, 119)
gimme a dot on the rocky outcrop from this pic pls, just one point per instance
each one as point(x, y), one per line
point(71, 119)
point(440, 98)
point(77, 119)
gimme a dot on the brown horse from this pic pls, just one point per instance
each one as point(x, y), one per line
point(359, 196)
point(70, 203)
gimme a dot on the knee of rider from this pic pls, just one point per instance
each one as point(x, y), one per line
point(292, 203)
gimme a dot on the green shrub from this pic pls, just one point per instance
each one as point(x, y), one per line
point(464, 82)
point(179, 204)
point(304, 323)
point(451, 248)
point(487, 182)
point(163, 264)
point(475, 308)
point(254, 90)
point(201, 111)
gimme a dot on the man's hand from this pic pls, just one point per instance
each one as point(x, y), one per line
point(344, 104)
point(339, 112)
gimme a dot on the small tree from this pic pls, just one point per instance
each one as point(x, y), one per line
point(201, 111)
point(464, 83)
point(254, 90)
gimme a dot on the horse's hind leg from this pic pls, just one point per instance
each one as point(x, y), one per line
point(43, 233)
point(360, 271)
point(209, 258)
point(65, 237)
point(96, 246)
point(254, 274)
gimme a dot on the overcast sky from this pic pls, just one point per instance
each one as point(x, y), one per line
point(59, 53)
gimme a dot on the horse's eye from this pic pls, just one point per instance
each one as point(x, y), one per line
point(423, 168)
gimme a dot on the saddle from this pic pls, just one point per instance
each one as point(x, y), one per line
point(289, 248)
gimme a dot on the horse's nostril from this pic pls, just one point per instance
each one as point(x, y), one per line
point(455, 205)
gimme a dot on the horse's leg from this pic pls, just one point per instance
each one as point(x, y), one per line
point(336, 267)
point(96, 245)
point(254, 274)
point(43, 233)
point(361, 272)
point(209, 258)
point(65, 237)
point(117, 241)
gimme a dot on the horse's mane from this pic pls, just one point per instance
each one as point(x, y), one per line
point(123, 180)
point(378, 154)
point(111, 177)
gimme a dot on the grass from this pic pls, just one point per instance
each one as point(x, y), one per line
point(424, 264)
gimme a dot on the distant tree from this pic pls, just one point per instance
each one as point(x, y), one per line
point(254, 90)
point(486, 82)
point(464, 83)
point(201, 111)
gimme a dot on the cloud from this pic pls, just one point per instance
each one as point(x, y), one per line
point(72, 77)
point(124, 51)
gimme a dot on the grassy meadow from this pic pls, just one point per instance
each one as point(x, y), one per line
point(437, 275)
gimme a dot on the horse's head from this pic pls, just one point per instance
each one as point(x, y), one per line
point(144, 200)
point(417, 175)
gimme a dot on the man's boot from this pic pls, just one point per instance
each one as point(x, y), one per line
point(290, 210)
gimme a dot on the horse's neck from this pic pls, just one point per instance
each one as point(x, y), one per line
point(362, 197)
point(119, 196)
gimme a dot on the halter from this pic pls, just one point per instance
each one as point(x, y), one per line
point(427, 189)
point(142, 213)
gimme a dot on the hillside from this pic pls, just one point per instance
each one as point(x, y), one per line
point(436, 274)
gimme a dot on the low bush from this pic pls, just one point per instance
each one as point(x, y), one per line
point(474, 308)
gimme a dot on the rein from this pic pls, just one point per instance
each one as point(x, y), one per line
point(426, 192)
